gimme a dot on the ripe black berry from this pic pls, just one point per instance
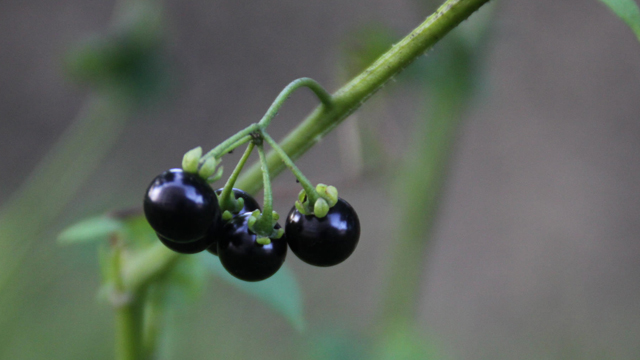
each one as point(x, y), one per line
point(243, 257)
point(326, 241)
point(187, 248)
point(181, 206)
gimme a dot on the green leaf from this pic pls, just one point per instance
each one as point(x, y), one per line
point(92, 229)
point(137, 232)
point(628, 11)
point(405, 343)
point(281, 291)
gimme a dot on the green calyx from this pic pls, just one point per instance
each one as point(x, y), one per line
point(327, 197)
point(256, 224)
point(209, 168)
point(190, 160)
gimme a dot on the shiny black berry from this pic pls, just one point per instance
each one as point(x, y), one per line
point(326, 241)
point(187, 248)
point(243, 257)
point(181, 206)
point(250, 204)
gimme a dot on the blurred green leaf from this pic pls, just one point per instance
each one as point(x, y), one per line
point(137, 232)
point(405, 343)
point(281, 291)
point(335, 343)
point(91, 229)
point(628, 11)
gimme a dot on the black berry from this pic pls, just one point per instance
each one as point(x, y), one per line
point(180, 206)
point(187, 248)
point(243, 257)
point(326, 241)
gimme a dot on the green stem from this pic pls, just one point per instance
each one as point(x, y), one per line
point(322, 94)
point(145, 267)
point(304, 182)
point(226, 203)
point(231, 143)
point(264, 225)
point(237, 144)
point(129, 331)
point(128, 307)
point(351, 96)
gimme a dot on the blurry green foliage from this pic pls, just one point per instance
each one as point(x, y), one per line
point(628, 11)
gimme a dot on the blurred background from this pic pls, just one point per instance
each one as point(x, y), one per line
point(533, 252)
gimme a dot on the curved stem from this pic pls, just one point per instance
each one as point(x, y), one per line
point(320, 92)
point(264, 225)
point(351, 96)
point(231, 143)
point(226, 203)
point(304, 182)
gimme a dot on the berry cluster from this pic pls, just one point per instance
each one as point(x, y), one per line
point(185, 213)
point(189, 216)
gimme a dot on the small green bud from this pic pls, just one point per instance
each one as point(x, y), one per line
point(227, 215)
point(263, 241)
point(320, 208)
point(208, 168)
point(190, 160)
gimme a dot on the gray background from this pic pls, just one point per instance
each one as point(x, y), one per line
point(537, 251)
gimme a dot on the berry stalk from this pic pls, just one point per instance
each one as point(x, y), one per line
point(352, 95)
point(225, 200)
point(317, 89)
point(304, 182)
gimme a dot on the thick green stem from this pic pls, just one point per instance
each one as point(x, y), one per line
point(128, 307)
point(145, 267)
point(304, 182)
point(226, 202)
point(129, 331)
point(322, 94)
point(349, 98)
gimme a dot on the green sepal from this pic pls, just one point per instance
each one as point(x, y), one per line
point(239, 204)
point(208, 168)
point(217, 176)
point(321, 188)
point(300, 208)
point(278, 233)
point(252, 221)
point(302, 196)
point(263, 241)
point(227, 215)
point(329, 193)
point(320, 208)
point(190, 160)
point(275, 217)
